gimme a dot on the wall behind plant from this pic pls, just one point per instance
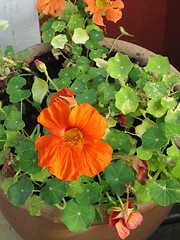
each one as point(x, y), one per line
point(23, 30)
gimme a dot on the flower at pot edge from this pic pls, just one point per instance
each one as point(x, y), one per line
point(125, 219)
point(53, 7)
point(74, 147)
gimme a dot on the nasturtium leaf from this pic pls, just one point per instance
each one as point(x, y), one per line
point(53, 192)
point(92, 44)
point(101, 63)
point(126, 100)
point(76, 21)
point(171, 130)
point(80, 36)
point(39, 89)
point(14, 89)
point(111, 122)
point(173, 116)
point(11, 138)
point(171, 79)
point(48, 35)
point(7, 182)
point(41, 176)
point(58, 26)
point(34, 205)
point(59, 41)
point(90, 195)
point(96, 34)
point(153, 139)
point(119, 66)
point(20, 191)
point(78, 86)
point(144, 154)
point(94, 54)
point(176, 169)
point(77, 217)
point(13, 121)
point(155, 90)
point(47, 24)
point(76, 50)
point(118, 140)
point(29, 162)
point(9, 51)
point(74, 188)
point(142, 192)
point(117, 175)
point(156, 108)
point(24, 145)
point(158, 64)
point(88, 96)
point(67, 12)
point(168, 102)
point(164, 192)
point(146, 123)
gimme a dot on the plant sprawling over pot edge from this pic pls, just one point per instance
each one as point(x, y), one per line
point(103, 132)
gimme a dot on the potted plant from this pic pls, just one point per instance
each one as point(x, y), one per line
point(87, 131)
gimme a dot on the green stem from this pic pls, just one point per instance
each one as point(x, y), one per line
point(110, 199)
point(156, 175)
point(61, 207)
point(50, 80)
point(121, 202)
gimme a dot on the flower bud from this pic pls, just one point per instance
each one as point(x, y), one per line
point(40, 66)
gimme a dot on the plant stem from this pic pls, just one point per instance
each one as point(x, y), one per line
point(61, 207)
point(110, 199)
point(50, 80)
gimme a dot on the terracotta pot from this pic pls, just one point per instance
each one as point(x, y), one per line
point(49, 225)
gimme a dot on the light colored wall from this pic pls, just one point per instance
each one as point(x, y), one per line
point(23, 30)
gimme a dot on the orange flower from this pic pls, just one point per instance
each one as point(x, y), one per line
point(125, 219)
point(53, 7)
point(66, 95)
point(112, 8)
point(74, 147)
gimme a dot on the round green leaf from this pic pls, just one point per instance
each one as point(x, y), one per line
point(119, 66)
point(76, 21)
point(158, 64)
point(117, 175)
point(90, 195)
point(20, 191)
point(126, 100)
point(142, 192)
point(59, 41)
point(153, 139)
point(77, 217)
point(48, 35)
point(34, 205)
point(80, 36)
point(164, 192)
point(29, 162)
point(53, 191)
point(156, 108)
point(155, 89)
point(13, 121)
point(88, 97)
point(23, 146)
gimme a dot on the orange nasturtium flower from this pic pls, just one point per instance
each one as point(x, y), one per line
point(65, 94)
point(111, 8)
point(125, 219)
point(74, 147)
point(53, 7)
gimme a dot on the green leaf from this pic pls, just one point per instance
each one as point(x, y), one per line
point(126, 100)
point(76, 21)
point(59, 41)
point(13, 121)
point(142, 192)
point(41, 176)
point(77, 217)
point(155, 89)
point(58, 26)
point(7, 182)
point(176, 169)
point(24, 53)
point(14, 89)
point(20, 191)
point(29, 162)
point(164, 192)
point(158, 64)
point(80, 36)
point(74, 188)
point(87, 97)
point(118, 140)
point(34, 205)
point(48, 35)
point(171, 79)
point(153, 139)
point(53, 192)
point(156, 108)
point(11, 138)
point(119, 66)
point(117, 175)
point(168, 102)
point(39, 89)
point(171, 130)
point(24, 145)
point(96, 34)
point(173, 116)
point(141, 128)
point(9, 51)
point(90, 195)
point(144, 154)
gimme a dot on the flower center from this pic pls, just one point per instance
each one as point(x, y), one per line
point(74, 137)
point(101, 3)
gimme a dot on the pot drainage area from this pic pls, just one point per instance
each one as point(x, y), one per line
point(168, 230)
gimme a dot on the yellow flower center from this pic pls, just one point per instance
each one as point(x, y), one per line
point(101, 3)
point(74, 137)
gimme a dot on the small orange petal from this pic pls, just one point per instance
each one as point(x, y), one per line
point(122, 230)
point(134, 220)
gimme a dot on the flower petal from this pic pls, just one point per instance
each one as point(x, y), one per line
point(55, 118)
point(122, 230)
point(134, 220)
point(53, 7)
point(88, 120)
